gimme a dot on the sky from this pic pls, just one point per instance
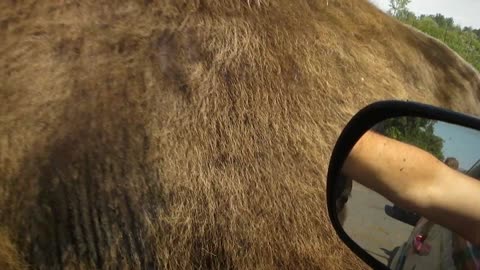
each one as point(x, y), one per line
point(463, 12)
point(459, 142)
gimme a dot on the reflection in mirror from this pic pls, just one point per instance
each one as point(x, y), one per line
point(398, 237)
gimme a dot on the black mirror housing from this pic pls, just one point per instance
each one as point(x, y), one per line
point(363, 121)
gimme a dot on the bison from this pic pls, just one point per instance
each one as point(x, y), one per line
point(196, 133)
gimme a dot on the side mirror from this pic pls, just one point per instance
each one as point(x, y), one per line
point(382, 233)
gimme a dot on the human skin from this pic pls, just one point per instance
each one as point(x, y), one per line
point(416, 180)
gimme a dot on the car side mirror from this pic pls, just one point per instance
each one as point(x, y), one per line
point(380, 232)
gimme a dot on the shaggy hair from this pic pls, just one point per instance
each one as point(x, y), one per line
point(452, 163)
point(196, 133)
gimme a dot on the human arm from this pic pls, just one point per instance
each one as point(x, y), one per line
point(416, 180)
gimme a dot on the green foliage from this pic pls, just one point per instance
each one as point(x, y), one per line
point(476, 32)
point(466, 41)
point(415, 131)
point(398, 7)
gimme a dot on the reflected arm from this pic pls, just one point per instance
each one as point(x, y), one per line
point(416, 180)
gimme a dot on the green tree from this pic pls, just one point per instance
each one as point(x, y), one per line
point(477, 32)
point(409, 17)
point(428, 25)
point(463, 40)
point(442, 21)
point(415, 131)
point(398, 8)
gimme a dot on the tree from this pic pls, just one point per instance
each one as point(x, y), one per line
point(477, 32)
point(398, 8)
point(463, 40)
point(442, 21)
point(409, 17)
point(415, 131)
point(428, 25)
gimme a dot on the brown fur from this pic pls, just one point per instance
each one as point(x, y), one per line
point(192, 134)
point(9, 255)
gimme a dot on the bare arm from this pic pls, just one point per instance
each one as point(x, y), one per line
point(415, 179)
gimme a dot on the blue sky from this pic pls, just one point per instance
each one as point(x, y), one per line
point(459, 142)
point(464, 12)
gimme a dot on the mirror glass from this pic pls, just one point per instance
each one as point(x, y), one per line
point(398, 237)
